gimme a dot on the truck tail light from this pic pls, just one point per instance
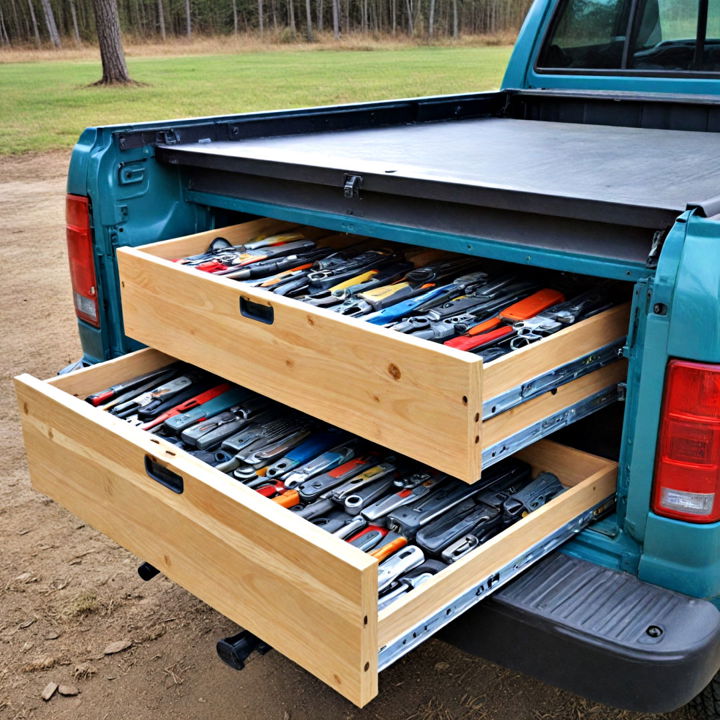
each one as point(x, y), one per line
point(687, 472)
point(82, 262)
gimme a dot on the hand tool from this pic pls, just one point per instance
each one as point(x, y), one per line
point(501, 324)
point(165, 390)
point(398, 564)
point(415, 283)
point(306, 451)
point(480, 515)
point(541, 490)
point(558, 317)
point(355, 501)
point(368, 538)
point(337, 522)
point(136, 385)
point(340, 266)
point(326, 461)
point(187, 405)
point(266, 269)
point(254, 437)
point(416, 486)
point(225, 400)
point(409, 519)
point(410, 580)
point(402, 586)
point(367, 477)
point(390, 544)
point(263, 454)
point(219, 427)
point(315, 487)
point(431, 296)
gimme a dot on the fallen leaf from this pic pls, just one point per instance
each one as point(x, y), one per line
point(27, 623)
point(68, 690)
point(440, 666)
point(23, 577)
point(52, 635)
point(117, 646)
point(49, 691)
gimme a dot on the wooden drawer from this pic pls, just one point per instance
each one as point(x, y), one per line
point(430, 402)
point(308, 594)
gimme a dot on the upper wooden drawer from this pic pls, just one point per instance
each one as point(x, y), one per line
point(430, 402)
point(305, 592)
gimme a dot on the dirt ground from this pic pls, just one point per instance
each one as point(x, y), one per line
point(67, 592)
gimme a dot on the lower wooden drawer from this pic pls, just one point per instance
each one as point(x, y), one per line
point(308, 594)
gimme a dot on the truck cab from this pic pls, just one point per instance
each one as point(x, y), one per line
point(599, 155)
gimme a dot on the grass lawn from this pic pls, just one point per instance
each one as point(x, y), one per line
point(45, 105)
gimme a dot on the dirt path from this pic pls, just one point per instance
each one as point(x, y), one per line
point(66, 591)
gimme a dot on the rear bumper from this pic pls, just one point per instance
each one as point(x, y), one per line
point(598, 633)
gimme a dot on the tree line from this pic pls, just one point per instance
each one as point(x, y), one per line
point(62, 22)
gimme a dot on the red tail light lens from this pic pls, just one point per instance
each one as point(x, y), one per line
point(82, 262)
point(687, 472)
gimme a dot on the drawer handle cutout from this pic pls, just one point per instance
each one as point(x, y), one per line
point(159, 473)
point(257, 311)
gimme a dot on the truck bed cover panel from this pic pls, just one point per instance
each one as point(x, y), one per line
point(642, 177)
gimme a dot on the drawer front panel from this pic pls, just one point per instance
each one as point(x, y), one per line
point(421, 399)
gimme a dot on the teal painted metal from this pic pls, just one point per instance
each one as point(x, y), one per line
point(521, 72)
point(645, 385)
point(564, 261)
point(149, 209)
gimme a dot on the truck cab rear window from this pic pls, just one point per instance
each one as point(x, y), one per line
point(642, 36)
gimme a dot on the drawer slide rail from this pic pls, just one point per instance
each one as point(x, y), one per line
point(553, 423)
point(554, 378)
point(422, 631)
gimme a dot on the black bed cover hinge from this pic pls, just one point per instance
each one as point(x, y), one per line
point(351, 186)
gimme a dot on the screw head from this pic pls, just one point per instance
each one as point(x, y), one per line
point(654, 631)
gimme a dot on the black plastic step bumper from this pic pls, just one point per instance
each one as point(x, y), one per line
point(598, 633)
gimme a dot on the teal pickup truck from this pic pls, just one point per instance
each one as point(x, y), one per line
point(600, 155)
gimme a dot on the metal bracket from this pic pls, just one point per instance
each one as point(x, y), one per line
point(488, 585)
point(351, 186)
point(554, 378)
point(551, 424)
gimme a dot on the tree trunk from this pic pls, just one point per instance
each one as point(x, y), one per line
point(36, 31)
point(308, 21)
point(393, 12)
point(431, 19)
point(235, 17)
point(188, 19)
point(107, 22)
point(291, 16)
point(261, 17)
point(408, 6)
point(50, 23)
point(161, 19)
point(320, 15)
point(4, 37)
point(73, 16)
point(336, 19)
point(456, 26)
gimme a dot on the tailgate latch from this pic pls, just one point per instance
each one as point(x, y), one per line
point(351, 188)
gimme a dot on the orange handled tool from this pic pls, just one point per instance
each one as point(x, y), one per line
point(522, 310)
point(390, 544)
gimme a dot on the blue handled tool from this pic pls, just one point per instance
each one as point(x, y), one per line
point(178, 423)
point(312, 447)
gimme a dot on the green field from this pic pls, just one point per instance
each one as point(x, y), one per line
point(45, 105)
